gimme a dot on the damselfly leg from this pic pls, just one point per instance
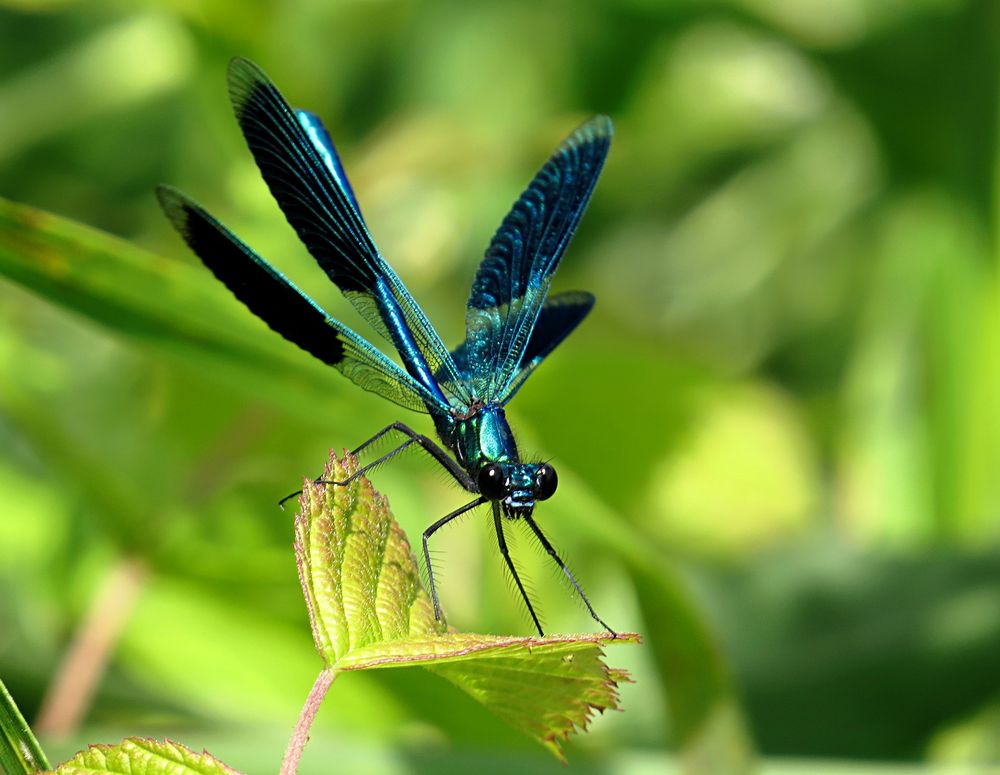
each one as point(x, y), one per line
point(569, 574)
point(502, 541)
point(427, 554)
point(425, 443)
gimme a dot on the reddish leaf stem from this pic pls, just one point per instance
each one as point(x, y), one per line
point(290, 764)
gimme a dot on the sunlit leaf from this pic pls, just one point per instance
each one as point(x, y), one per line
point(150, 757)
point(369, 610)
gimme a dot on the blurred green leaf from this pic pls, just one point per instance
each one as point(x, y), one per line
point(94, 78)
point(707, 720)
point(158, 302)
point(369, 610)
point(704, 710)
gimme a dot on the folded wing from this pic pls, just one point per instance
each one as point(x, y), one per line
point(513, 280)
point(276, 301)
point(297, 160)
point(561, 313)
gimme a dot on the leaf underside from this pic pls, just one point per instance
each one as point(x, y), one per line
point(369, 610)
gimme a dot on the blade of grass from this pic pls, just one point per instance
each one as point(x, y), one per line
point(174, 308)
point(19, 750)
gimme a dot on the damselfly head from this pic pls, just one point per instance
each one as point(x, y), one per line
point(518, 485)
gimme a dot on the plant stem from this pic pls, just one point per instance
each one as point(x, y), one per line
point(290, 764)
point(71, 691)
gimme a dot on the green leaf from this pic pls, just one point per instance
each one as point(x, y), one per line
point(112, 282)
point(175, 308)
point(149, 757)
point(704, 710)
point(369, 610)
point(356, 567)
point(546, 687)
point(19, 750)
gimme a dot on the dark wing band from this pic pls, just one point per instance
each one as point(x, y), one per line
point(296, 158)
point(276, 301)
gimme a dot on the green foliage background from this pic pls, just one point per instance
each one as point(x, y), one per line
point(778, 435)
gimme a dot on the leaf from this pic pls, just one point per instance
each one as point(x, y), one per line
point(176, 308)
point(545, 687)
point(149, 757)
point(19, 750)
point(356, 567)
point(369, 610)
point(706, 718)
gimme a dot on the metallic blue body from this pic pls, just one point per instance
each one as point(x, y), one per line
point(483, 437)
point(327, 151)
point(402, 339)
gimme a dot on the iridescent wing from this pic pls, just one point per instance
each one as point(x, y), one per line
point(276, 301)
point(301, 168)
point(561, 313)
point(513, 280)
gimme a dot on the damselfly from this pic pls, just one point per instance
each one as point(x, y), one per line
point(512, 323)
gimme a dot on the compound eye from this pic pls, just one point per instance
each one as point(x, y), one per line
point(545, 482)
point(492, 481)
